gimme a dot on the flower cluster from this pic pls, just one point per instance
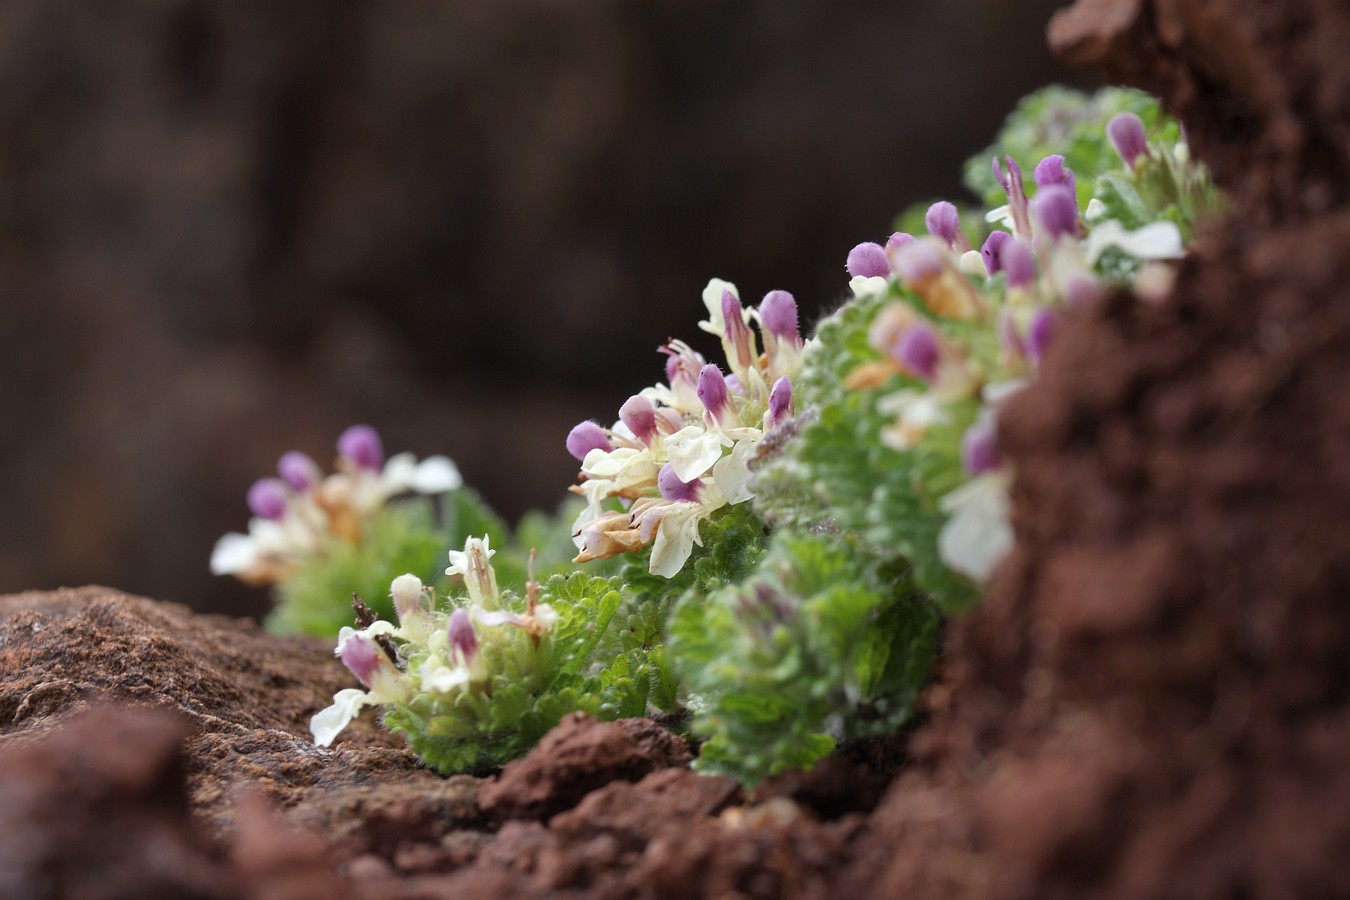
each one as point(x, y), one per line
point(476, 683)
point(298, 513)
point(437, 655)
point(680, 451)
point(965, 328)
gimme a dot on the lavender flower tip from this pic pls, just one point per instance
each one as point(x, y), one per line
point(1126, 133)
point(585, 437)
point(267, 498)
point(361, 444)
point(778, 312)
point(463, 639)
point(868, 260)
point(675, 490)
point(993, 264)
point(1056, 210)
point(299, 470)
point(943, 221)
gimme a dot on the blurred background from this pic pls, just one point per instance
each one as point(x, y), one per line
point(229, 229)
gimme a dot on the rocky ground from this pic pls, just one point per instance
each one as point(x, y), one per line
point(1155, 702)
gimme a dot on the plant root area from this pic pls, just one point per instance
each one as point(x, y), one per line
point(1154, 702)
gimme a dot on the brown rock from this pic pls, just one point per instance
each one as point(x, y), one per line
point(100, 810)
point(576, 757)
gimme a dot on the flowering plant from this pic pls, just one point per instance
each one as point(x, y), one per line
point(788, 529)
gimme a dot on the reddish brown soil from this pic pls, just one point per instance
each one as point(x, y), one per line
point(1155, 702)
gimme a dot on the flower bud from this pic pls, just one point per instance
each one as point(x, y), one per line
point(299, 471)
point(916, 349)
point(780, 403)
point(1052, 170)
point(463, 639)
point(990, 251)
point(585, 437)
point(1126, 133)
point(1015, 259)
point(406, 592)
point(868, 260)
point(362, 656)
point(639, 415)
point(944, 223)
point(1080, 289)
point(1040, 333)
point(979, 448)
point(778, 313)
point(1056, 211)
point(672, 488)
point(918, 262)
point(267, 498)
point(737, 334)
point(712, 392)
point(361, 444)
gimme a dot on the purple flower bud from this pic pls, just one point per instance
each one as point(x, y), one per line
point(712, 391)
point(1126, 133)
point(737, 333)
point(868, 260)
point(992, 264)
point(1017, 197)
point(898, 240)
point(299, 470)
point(979, 448)
point(361, 444)
point(585, 437)
point(672, 488)
point(463, 640)
point(780, 403)
point(1016, 260)
point(1056, 210)
point(943, 221)
point(1040, 333)
point(360, 654)
point(1052, 170)
point(639, 415)
point(778, 313)
point(267, 498)
point(918, 262)
point(734, 385)
point(917, 350)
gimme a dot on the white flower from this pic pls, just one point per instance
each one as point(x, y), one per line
point(978, 534)
point(444, 679)
point(1157, 240)
point(866, 286)
point(328, 723)
point(233, 553)
point(916, 412)
point(433, 475)
point(712, 299)
point(474, 564)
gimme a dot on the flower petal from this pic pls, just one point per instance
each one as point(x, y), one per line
point(328, 723)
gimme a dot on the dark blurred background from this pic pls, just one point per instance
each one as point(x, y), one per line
point(229, 229)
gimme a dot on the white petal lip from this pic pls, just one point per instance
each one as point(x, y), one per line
point(978, 535)
point(693, 451)
point(445, 678)
point(433, 475)
point(233, 553)
point(329, 722)
point(712, 299)
point(862, 285)
point(1157, 240)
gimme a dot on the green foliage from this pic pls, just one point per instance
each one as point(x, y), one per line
point(837, 474)
point(1064, 121)
point(817, 645)
point(317, 599)
point(525, 683)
